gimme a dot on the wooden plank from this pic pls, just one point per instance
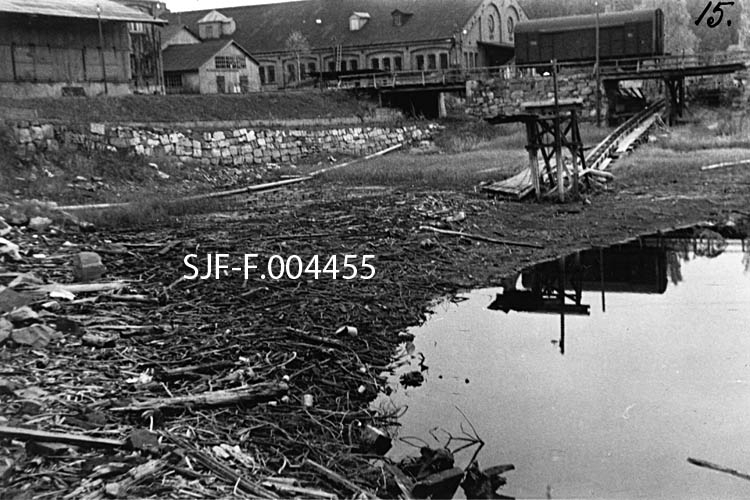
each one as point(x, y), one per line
point(58, 437)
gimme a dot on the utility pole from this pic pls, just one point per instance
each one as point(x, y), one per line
point(598, 73)
point(101, 47)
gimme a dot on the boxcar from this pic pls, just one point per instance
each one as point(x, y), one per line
point(622, 35)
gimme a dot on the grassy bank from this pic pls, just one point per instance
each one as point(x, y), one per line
point(469, 153)
point(167, 108)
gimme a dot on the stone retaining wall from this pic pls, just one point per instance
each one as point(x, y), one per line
point(239, 146)
point(504, 96)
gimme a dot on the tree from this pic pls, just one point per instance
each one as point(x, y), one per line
point(678, 35)
point(297, 44)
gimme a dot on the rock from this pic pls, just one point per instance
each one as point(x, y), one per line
point(10, 299)
point(143, 440)
point(483, 484)
point(5, 328)
point(23, 314)
point(439, 485)
point(8, 387)
point(97, 128)
point(87, 266)
point(10, 249)
point(39, 224)
point(35, 335)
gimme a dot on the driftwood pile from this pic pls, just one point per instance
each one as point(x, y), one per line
point(143, 383)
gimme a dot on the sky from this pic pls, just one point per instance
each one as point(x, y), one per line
point(183, 5)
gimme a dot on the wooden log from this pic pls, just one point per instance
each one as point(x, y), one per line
point(718, 468)
point(338, 478)
point(80, 287)
point(478, 237)
point(725, 164)
point(58, 437)
point(245, 394)
point(137, 475)
point(355, 161)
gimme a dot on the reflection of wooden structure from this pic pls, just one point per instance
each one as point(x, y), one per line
point(558, 291)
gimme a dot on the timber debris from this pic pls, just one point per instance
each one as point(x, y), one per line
point(136, 382)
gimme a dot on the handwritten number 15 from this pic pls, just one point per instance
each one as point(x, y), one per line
point(711, 22)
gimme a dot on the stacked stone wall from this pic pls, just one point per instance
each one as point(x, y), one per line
point(229, 146)
point(505, 95)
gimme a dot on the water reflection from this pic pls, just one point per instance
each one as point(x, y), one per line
point(662, 375)
point(642, 266)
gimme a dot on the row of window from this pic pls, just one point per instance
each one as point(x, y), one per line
point(229, 62)
point(395, 63)
point(491, 28)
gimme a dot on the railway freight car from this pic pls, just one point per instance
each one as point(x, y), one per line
point(622, 35)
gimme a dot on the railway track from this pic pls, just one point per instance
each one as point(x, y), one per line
point(598, 159)
point(623, 137)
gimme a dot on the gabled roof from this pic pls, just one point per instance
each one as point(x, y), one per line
point(193, 56)
point(214, 17)
point(83, 9)
point(172, 29)
point(265, 28)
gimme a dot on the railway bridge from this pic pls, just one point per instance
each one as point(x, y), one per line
point(428, 86)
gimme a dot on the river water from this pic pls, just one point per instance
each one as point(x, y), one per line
point(645, 364)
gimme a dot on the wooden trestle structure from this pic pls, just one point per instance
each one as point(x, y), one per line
point(551, 128)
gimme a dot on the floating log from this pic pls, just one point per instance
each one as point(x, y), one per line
point(718, 468)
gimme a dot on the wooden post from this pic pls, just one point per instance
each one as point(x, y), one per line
point(574, 148)
point(533, 159)
point(558, 146)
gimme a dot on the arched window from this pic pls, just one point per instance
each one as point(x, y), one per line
point(491, 26)
point(510, 27)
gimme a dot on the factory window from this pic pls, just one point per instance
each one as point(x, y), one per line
point(229, 62)
point(136, 27)
point(267, 74)
point(431, 61)
point(510, 28)
point(443, 60)
point(173, 82)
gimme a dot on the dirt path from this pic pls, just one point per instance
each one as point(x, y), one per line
point(221, 334)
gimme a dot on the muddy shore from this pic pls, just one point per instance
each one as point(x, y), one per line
point(278, 337)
